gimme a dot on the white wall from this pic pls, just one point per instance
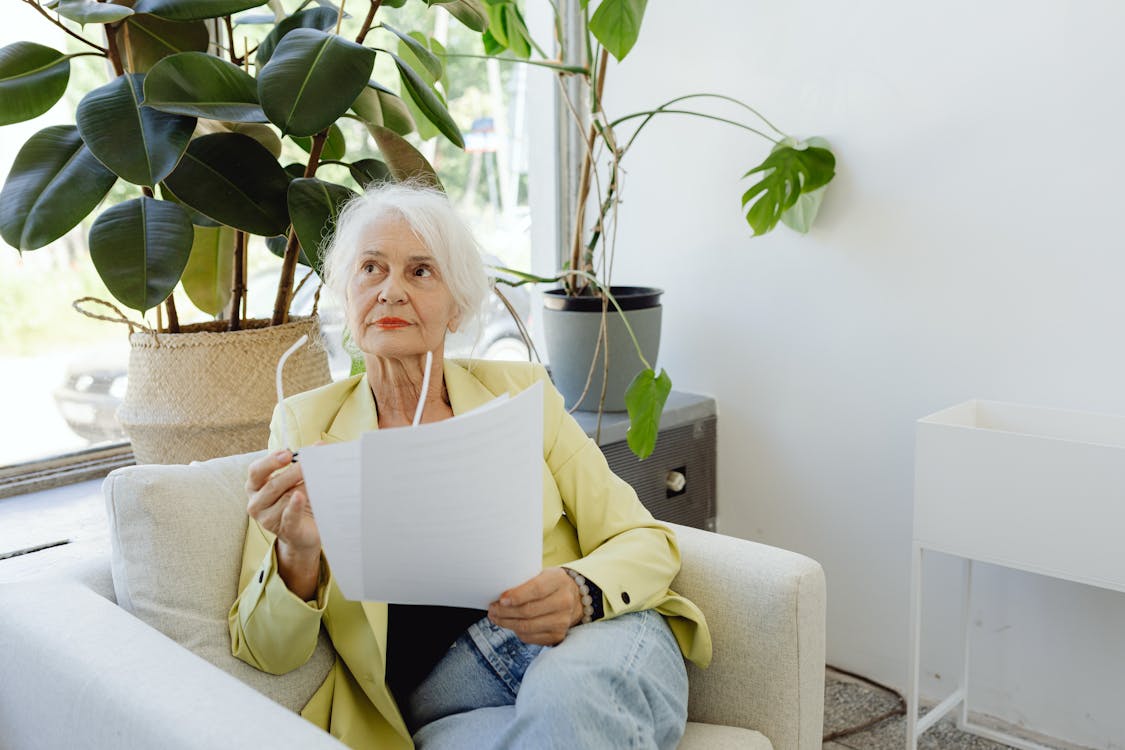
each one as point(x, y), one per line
point(969, 247)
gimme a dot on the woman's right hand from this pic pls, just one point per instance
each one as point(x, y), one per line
point(279, 502)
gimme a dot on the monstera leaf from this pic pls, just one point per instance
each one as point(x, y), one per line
point(787, 173)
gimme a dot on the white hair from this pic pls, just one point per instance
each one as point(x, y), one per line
point(430, 215)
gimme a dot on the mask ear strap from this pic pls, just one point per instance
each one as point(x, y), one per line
point(425, 388)
point(280, 391)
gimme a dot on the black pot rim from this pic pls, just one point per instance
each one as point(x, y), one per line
point(629, 297)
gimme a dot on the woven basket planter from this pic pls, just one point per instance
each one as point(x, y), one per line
point(207, 392)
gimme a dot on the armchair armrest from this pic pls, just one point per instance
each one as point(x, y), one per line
point(766, 610)
point(78, 671)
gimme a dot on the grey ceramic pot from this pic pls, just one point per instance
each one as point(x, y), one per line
point(571, 326)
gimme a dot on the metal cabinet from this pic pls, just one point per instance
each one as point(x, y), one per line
point(677, 482)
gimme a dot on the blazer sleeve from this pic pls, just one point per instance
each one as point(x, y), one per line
point(270, 627)
point(628, 554)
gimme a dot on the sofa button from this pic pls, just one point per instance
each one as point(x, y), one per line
point(625, 596)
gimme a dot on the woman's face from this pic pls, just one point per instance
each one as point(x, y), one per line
point(397, 302)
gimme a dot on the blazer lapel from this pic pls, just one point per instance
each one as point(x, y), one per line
point(465, 391)
point(356, 416)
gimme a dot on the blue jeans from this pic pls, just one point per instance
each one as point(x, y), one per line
point(618, 683)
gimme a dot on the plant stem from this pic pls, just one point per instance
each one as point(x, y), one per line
point(653, 113)
point(366, 27)
point(239, 289)
point(340, 17)
point(555, 66)
point(731, 99)
point(114, 52)
point(173, 319)
point(293, 246)
point(230, 38)
point(62, 26)
point(577, 262)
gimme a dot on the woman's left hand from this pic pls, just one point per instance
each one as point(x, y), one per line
point(541, 610)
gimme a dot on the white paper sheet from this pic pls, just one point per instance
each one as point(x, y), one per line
point(332, 480)
point(448, 513)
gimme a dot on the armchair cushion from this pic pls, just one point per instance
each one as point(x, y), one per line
point(176, 537)
point(766, 610)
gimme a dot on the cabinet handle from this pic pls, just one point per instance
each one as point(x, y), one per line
point(675, 481)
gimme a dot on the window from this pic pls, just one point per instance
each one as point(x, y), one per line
point(62, 374)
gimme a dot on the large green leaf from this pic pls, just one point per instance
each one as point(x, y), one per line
point(644, 400)
point(420, 51)
point(430, 104)
point(367, 171)
point(472, 13)
point(139, 144)
point(314, 206)
point(146, 40)
point(313, 18)
point(261, 132)
point(209, 274)
point(202, 85)
point(405, 161)
point(233, 179)
point(32, 79)
point(377, 105)
point(617, 23)
point(193, 10)
point(312, 79)
point(802, 214)
point(140, 248)
point(507, 31)
point(54, 183)
point(787, 173)
point(335, 146)
point(91, 11)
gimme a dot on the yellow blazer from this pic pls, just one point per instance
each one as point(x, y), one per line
point(592, 523)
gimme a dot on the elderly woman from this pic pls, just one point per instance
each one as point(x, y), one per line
point(587, 654)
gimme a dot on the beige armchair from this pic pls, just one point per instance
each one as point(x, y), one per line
point(130, 660)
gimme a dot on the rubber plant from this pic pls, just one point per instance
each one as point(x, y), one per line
point(199, 98)
point(787, 186)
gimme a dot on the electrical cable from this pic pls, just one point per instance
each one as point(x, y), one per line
point(898, 710)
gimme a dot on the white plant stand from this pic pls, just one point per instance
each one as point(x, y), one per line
point(1033, 489)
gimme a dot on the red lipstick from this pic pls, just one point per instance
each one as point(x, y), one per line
point(392, 322)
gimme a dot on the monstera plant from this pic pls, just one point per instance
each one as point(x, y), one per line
point(200, 96)
point(787, 186)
